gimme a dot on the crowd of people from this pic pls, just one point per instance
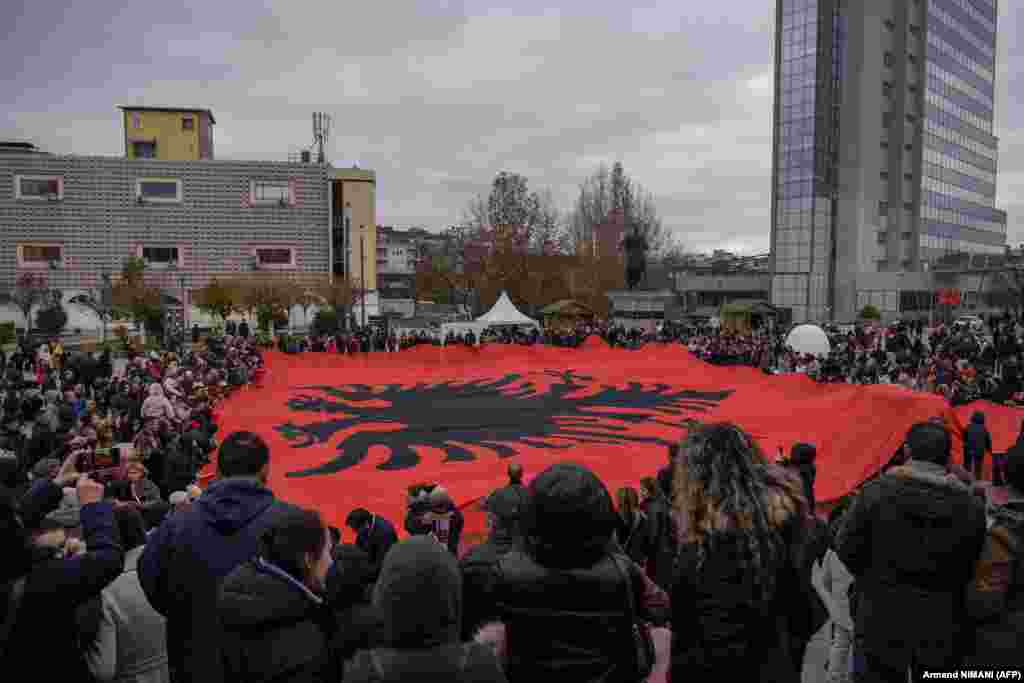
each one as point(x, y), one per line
point(119, 566)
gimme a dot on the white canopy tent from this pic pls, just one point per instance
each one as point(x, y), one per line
point(504, 312)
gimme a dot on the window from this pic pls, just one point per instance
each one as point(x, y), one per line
point(158, 190)
point(884, 175)
point(187, 123)
point(885, 144)
point(144, 150)
point(909, 147)
point(908, 176)
point(160, 256)
point(911, 58)
point(890, 24)
point(38, 187)
point(909, 206)
point(270, 192)
point(888, 59)
point(886, 89)
point(914, 29)
point(275, 257)
point(883, 209)
point(40, 255)
point(912, 88)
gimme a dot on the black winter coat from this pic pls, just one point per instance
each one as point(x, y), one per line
point(725, 627)
point(911, 539)
point(569, 624)
point(664, 542)
point(274, 629)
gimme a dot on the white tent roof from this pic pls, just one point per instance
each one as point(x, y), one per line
point(504, 312)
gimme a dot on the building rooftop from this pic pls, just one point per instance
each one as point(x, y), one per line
point(183, 110)
point(353, 173)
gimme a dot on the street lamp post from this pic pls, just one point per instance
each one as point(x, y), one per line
point(362, 270)
point(106, 303)
point(184, 302)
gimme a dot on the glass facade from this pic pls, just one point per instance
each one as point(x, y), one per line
point(960, 163)
point(806, 128)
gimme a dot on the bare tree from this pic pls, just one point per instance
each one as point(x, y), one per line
point(606, 191)
point(29, 291)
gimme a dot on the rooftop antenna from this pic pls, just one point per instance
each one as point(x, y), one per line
point(321, 134)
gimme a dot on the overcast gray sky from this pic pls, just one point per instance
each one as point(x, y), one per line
point(439, 96)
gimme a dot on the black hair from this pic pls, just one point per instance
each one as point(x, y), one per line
point(243, 454)
point(131, 526)
point(930, 442)
point(295, 535)
point(358, 518)
point(803, 454)
point(515, 473)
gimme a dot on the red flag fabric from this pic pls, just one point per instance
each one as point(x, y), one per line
point(352, 431)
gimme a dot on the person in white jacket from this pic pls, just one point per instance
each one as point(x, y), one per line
point(131, 643)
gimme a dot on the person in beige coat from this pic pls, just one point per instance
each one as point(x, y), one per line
point(131, 644)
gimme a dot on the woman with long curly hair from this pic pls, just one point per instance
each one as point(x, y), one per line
point(742, 590)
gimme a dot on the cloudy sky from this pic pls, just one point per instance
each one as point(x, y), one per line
point(439, 96)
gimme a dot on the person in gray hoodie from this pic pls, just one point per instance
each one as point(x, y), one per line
point(418, 598)
point(130, 643)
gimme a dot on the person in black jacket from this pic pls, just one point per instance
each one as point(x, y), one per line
point(43, 632)
point(911, 540)
point(563, 597)
point(664, 538)
point(419, 600)
point(802, 457)
point(277, 626)
point(374, 535)
point(633, 531)
point(349, 591)
point(188, 556)
point(505, 508)
point(977, 442)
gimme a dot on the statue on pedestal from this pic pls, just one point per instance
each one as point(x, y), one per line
point(636, 248)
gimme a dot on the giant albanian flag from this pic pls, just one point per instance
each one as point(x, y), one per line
point(356, 431)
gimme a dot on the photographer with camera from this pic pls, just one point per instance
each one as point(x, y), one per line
point(39, 595)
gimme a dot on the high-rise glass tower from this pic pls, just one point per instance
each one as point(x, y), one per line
point(884, 154)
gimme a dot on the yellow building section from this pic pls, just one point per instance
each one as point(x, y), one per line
point(169, 135)
point(358, 190)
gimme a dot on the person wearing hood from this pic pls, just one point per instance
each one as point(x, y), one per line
point(157, 406)
point(277, 626)
point(189, 555)
point(418, 509)
point(977, 442)
point(664, 537)
point(995, 598)
point(418, 598)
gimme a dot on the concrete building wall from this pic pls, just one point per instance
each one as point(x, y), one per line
point(97, 222)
